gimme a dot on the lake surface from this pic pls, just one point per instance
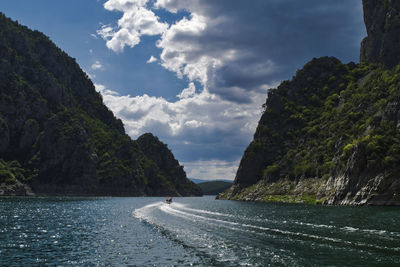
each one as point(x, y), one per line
point(193, 231)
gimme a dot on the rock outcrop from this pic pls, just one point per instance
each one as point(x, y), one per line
point(166, 166)
point(58, 138)
point(382, 21)
point(331, 134)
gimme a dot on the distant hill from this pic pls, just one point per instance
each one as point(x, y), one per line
point(198, 181)
point(214, 187)
point(58, 138)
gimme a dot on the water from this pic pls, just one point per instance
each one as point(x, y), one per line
point(193, 231)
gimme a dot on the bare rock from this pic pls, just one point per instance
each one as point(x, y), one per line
point(382, 21)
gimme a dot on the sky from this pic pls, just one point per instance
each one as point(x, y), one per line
point(194, 72)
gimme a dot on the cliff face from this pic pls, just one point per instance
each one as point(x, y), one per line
point(382, 21)
point(168, 170)
point(283, 120)
point(331, 134)
point(57, 136)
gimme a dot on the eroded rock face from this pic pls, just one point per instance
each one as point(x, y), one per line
point(382, 21)
point(15, 189)
point(360, 182)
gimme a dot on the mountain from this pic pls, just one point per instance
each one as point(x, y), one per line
point(214, 187)
point(382, 21)
point(58, 138)
point(331, 134)
point(198, 181)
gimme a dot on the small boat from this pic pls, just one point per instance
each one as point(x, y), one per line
point(168, 200)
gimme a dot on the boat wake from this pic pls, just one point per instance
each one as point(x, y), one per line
point(228, 238)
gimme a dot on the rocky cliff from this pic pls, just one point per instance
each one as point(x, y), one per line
point(58, 138)
point(332, 134)
point(166, 167)
point(382, 21)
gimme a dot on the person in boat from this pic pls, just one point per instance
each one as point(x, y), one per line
point(168, 200)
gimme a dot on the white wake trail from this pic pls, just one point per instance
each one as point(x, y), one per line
point(267, 229)
point(182, 211)
point(183, 207)
point(145, 211)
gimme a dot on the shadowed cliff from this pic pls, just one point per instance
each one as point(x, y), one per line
point(382, 21)
point(58, 138)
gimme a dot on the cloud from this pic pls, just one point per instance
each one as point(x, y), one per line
point(99, 87)
point(151, 59)
point(211, 169)
point(102, 89)
point(231, 47)
point(233, 51)
point(91, 76)
point(188, 92)
point(136, 21)
point(106, 32)
point(96, 65)
point(197, 127)
point(175, 44)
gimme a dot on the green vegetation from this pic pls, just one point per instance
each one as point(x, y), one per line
point(57, 135)
point(334, 111)
point(304, 191)
point(292, 199)
point(327, 115)
point(10, 171)
point(214, 187)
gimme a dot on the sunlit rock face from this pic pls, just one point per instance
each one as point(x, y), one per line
point(382, 21)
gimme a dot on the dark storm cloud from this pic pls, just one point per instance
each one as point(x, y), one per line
point(189, 144)
point(272, 38)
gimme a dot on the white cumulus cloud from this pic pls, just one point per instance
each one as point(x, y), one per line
point(97, 65)
point(136, 21)
point(188, 92)
point(151, 59)
point(196, 128)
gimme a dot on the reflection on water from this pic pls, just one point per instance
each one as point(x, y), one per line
point(193, 231)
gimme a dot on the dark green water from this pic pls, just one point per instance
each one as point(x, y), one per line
point(193, 231)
